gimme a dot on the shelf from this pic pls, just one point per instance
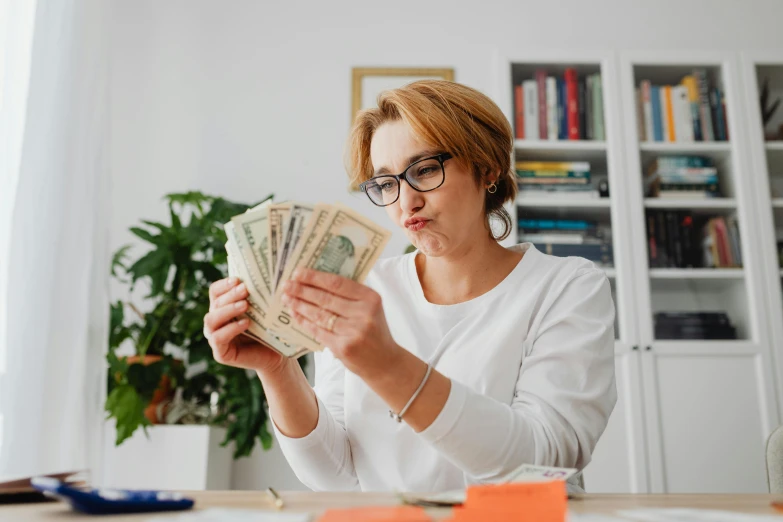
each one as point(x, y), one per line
point(694, 147)
point(564, 203)
point(697, 273)
point(561, 150)
point(777, 202)
point(700, 204)
point(706, 347)
point(774, 145)
point(611, 272)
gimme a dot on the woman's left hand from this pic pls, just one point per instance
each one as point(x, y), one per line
point(344, 315)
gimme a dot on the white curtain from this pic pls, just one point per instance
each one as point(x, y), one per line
point(55, 258)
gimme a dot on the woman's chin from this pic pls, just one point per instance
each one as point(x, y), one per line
point(427, 244)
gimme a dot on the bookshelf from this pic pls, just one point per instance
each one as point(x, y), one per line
point(674, 412)
point(765, 143)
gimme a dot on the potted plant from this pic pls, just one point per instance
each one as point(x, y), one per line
point(171, 377)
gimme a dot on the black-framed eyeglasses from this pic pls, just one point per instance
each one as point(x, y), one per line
point(423, 175)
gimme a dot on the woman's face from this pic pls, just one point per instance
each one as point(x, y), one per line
point(440, 222)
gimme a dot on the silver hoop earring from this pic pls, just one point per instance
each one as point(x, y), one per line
point(492, 188)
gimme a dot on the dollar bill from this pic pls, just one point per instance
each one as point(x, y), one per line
point(279, 215)
point(253, 244)
point(293, 233)
point(256, 312)
point(337, 241)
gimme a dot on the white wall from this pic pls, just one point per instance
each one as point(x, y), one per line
point(245, 97)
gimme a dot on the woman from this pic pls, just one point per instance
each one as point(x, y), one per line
point(486, 357)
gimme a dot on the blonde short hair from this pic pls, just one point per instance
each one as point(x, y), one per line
point(449, 116)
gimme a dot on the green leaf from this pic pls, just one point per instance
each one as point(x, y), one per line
point(146, 236)
point(118, 260)
point(153, 263)
point(127, 407)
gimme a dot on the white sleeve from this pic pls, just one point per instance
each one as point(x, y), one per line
point(563, 397)
point(322, 458)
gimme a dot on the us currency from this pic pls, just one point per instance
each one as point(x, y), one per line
point(293, 233)
point(256, 313)
point(337, 241)
point(253, 244)
point(279, 215)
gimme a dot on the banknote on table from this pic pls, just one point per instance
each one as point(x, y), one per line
point(268, 242)
point(338, 241)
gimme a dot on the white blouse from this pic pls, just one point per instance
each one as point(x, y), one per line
point(531, 364)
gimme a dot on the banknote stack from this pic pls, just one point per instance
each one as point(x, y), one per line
point(268, 242)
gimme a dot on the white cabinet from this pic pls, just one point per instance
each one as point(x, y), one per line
point(707, 419)
point(692, 415)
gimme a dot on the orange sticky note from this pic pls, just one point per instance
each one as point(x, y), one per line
point(531, 501)
point(376, 514)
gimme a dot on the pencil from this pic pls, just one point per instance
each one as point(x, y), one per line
point(278, 502)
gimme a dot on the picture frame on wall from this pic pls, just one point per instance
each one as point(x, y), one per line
point(368, 82)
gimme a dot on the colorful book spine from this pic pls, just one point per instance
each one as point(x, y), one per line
point(599, 131)
point(693, 98)
point(551, 108)
point(717, 110)
point(646, 91)
point(542, 112)
point(531, 109)
point(582, 107)
point(553, 165)
point(671, 134)
point(561, 110)
point(705, 114)
point(572, 104)
point(519, 112)
point(655, 101)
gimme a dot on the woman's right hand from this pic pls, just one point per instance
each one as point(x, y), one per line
point(227, 301)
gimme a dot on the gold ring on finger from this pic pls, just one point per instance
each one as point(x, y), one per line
point(330, 323)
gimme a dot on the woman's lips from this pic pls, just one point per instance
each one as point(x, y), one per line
point(416, 224)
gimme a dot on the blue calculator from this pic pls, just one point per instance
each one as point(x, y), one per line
point(112, 501)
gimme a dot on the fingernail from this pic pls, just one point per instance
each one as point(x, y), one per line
point(298, 272)
point(244, 322)
point(241, 288)
point(286, 299)
point(232, 281)
point(240, 304)
point(287, 286)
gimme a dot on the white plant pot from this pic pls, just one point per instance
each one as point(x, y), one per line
point(174, 457)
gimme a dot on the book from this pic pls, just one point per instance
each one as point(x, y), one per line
point(572, 104)
point(655, 102)
point(531, 109)
point(646, 92)
point(519, 112)
point(599, 131)
point(576, 166)
point(705, 113)
point(551, 108)
point(542, 112)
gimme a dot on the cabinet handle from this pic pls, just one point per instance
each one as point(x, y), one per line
point(648, 348)
point(635, 347)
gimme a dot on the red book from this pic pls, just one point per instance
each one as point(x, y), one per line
point(519, 112)
point(542, 126)
point(572, 106)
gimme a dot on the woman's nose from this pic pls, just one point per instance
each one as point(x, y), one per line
point(410, 200)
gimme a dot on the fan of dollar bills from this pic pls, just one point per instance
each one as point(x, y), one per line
point(268, 242)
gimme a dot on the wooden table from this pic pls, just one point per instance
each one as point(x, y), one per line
point(317, 502)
